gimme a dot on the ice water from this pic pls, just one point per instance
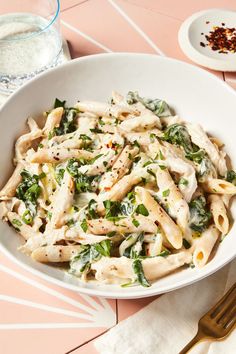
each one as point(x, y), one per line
point(29, 44)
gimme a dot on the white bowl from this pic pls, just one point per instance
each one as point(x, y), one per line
point(195, 95)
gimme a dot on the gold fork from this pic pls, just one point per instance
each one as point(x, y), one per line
point(218, 322)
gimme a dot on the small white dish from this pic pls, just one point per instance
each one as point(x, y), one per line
point(192, 32)
point(193, 93)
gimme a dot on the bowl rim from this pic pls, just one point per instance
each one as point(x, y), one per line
point(141, 292)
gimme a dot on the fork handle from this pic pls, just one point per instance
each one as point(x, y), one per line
point(199, 336)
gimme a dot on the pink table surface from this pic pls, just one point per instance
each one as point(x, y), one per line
point(36, 316)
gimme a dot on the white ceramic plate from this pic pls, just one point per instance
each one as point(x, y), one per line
point(190, 37)
point(195, 94)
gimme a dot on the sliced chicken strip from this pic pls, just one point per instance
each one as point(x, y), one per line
point(9, 190)
point(176, 162)
point(24, 230)
point(86, 123)
point(53, 120)
point(200, 138)
point(144, 112)
point(24, 142)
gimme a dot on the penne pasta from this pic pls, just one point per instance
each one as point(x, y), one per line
point(62, 201)
point(119, 169)
point(219, 186)
point(125, 225)
point(203, 246)
point(57, 154)
point(219, 213)
point(170, 194)
point(55, 253)
point(119, 190)
point(158, 214)
point(103, 109)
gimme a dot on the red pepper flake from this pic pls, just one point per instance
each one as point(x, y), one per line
point(221, 39)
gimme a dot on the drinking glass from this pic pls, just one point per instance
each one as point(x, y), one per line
point(30, 40)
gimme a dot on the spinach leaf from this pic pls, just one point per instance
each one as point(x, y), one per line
point(177, 134)
point(205, 167)
point(199, 214)
point(157, 106)
point(83, 182)
point(141, 209)
point(89, 254)
point(68, 122)
point(197, 155)
point(84, 225)
point(59, 103)
point(92, 214)
point(112, 208)
point(136, 249)
point(59, 174)
point(186, 244)
point(127, 207)
point(29, 190)
point(231, 177)
point(138, 270)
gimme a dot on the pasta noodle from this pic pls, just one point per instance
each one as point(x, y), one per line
point(219, 213)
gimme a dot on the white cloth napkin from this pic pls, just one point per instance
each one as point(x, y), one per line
point(167, 324)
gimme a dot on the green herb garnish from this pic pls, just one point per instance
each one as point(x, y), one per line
point(166, 193)
point(183, 181)
point(27, 217)
point(135, 222)
point(138, 270)
point(141, 209)
point(84, 225)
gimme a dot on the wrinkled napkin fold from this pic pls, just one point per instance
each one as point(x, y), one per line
point(168, 323)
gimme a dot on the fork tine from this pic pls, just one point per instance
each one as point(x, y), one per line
point(214, 311)
point(231, 317)
point(227, 312)
point(231, 300)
